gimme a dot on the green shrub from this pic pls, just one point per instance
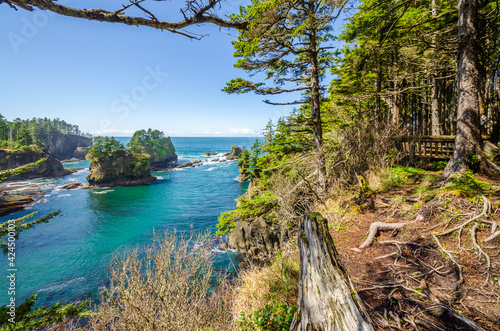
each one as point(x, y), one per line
point(106, 148)
point(29, 318)
point(272, 317)
point(226, 222)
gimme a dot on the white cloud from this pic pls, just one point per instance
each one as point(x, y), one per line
point(245, 131)
point(111, 132)
point(236, 132)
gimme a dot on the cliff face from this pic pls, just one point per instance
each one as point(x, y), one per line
point(63, 146)
point(163, 154)
point(80, 153)
point(235, 152)
point(156, 145)
point(13, 159)
point(128, 169)
point(256, 236)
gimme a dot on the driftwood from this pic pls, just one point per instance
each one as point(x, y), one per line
point(326, 299)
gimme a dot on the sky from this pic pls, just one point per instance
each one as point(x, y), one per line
point(114, 79)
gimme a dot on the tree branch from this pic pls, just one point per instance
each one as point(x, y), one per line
point(199, 14)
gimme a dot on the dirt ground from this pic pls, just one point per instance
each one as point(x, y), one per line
point(405, 280)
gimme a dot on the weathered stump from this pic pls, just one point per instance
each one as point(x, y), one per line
point(326, 300)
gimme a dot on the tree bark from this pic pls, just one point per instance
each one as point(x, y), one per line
point(434, 90)
point(199, 14)
point(326, 300)
point(378, 104)
point(316, 113)
point(468, 151)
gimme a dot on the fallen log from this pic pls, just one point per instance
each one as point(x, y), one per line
point(327, 300)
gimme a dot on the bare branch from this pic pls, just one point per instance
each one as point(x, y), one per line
point(284, 103)
point(199, 14)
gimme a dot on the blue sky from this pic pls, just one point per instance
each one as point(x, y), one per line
point(113, 79)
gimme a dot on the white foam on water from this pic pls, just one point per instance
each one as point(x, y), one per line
point(63, 195)
point(59, 287)
point(102, 192)
point(159, 177)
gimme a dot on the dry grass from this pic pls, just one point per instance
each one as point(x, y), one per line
point(258, 286)
point(163, 286)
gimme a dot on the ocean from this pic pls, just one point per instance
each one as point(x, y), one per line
point(67, 258)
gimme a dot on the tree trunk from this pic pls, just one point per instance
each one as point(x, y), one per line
point(495, 133)
point(434, 92)
point(468, 151)
point(395, 105)
point(378, 105)
point(316, 114)
point(326, 300)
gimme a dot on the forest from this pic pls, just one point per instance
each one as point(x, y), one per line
point(18, 133)
point(377, 188)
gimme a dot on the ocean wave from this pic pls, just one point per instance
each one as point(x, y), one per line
point(159, 177)
point(63, 195)
point(218, 250)
point(59, 287)
point(102, 192)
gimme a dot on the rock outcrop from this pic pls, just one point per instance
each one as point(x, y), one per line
point(64, 146)
point(235, 152)
point(81, 153)
point(71, 186)
point(127, 169)
point(156, 145)
point(11, 159)
point(10, 203)
point(257, 236)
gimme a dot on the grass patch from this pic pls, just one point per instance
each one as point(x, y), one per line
point(260, 287)
point(387, 179)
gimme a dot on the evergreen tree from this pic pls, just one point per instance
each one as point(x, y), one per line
point(287, 41)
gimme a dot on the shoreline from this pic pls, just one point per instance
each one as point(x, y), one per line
point(19, 194)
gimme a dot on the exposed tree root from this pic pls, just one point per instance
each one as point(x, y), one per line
point(461, 278)
point(376, 227)
point(493, 236)
point(484, 213)
point(444, 309)
point(393, 282)
point(481, 252)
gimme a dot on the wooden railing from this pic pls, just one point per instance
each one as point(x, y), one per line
point(434, 147)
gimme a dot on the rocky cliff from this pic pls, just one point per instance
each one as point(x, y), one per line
point(164, 155)
point(127, 169)
point(156, 145)
point(64, 146)
point(257, 236)
point(235, 152)
point(11, 159)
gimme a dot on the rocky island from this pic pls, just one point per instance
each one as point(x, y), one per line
point(154, 143)
point(112, 165)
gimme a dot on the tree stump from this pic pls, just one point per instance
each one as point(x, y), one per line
point(326, 300)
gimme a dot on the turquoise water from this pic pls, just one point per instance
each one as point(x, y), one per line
point(66, 259)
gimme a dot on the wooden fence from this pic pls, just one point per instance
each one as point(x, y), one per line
point(433, 147)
